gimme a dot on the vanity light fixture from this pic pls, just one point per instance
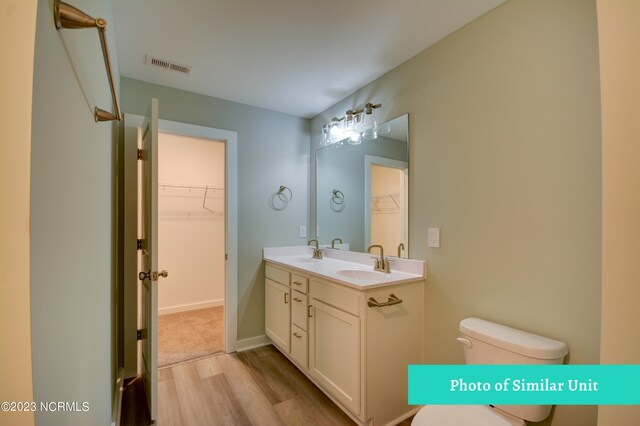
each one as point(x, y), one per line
point(357, 124)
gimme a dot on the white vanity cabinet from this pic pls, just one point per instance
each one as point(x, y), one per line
point(299, 325)
point(277, 294)
point(334, 353)
point(356, 353)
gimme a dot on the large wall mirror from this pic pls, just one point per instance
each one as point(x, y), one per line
point(362, 191)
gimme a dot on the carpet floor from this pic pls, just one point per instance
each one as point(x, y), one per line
point(189, 335)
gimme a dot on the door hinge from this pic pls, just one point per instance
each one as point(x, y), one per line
point(139, 335)
point(139, 244)
point(139, 154)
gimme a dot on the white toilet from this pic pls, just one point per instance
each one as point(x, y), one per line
point(490, 343)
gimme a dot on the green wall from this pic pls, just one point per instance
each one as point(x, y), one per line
point(273, 150)
point(504, 154)
point(72, 220)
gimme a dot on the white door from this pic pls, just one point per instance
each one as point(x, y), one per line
point(149, 266)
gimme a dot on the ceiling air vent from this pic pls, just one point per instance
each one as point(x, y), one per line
point(163, 63)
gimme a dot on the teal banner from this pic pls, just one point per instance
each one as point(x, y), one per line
point(524, 384)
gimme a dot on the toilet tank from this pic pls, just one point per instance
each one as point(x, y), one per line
point(486, 342)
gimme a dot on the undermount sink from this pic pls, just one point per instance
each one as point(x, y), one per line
point(305, 260)
point(360, 274)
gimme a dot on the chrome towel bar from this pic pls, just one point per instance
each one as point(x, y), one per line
point(393, 300)
point(67, 16)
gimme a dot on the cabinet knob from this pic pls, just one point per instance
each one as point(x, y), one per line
point(309, 311)
point(285, 298)
point(297, 299)
point(297, 335)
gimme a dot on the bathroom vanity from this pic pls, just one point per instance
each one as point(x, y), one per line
point(353, 331)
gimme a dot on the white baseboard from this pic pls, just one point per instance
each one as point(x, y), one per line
point(190, 307)
point(252, 342)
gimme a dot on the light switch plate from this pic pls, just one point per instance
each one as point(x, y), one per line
point(303, 231)
point(434, 237)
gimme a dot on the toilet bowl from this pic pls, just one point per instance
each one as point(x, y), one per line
point(486, 342)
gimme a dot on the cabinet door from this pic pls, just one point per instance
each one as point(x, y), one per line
point(334, 353)
point(277, 321)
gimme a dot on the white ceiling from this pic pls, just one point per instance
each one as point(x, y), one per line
point(294, 56)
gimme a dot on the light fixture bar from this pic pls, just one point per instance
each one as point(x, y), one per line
point(354, 126)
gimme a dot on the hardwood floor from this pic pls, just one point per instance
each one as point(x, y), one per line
point(256, 387)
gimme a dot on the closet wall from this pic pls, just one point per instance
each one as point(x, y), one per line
point(191, 225)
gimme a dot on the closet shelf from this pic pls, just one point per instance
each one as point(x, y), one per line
point(387, 203)
point(203, 192)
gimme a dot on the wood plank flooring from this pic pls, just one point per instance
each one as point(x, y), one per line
point(256, 387)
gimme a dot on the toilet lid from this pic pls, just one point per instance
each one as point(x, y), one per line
point(461, 415)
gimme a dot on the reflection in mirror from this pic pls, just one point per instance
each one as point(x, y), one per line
point(362, 191)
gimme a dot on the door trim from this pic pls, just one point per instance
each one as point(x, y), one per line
point(230, 139)
point(387, 162)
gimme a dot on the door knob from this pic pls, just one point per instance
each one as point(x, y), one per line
point(156, 275)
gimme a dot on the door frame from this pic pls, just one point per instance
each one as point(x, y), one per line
point(370, 160)
point(230, 139)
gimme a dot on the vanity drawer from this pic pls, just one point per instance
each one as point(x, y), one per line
point(299, 303)
point(299, 348)
point(336, 295)
point(276, 274)
point(300, 283)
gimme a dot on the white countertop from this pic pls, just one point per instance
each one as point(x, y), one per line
point(345, 266)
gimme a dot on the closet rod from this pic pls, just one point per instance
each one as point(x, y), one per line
point(67, 16)
point(189, 187)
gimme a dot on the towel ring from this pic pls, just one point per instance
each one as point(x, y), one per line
point(279, 200)
point(282, 194)
point(337, 201)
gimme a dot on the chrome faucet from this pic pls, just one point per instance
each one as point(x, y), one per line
point(334, 241)
point(400, 249)
point(317, 253)
point(382, 264)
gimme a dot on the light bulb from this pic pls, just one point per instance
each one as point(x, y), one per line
point(336, 131)
point(350, 124)
point(355, 139)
